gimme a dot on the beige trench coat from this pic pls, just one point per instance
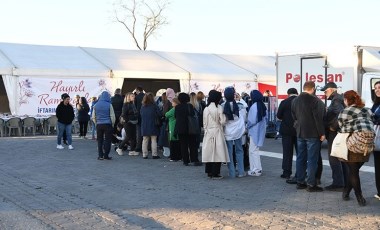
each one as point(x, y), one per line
point(214, 148)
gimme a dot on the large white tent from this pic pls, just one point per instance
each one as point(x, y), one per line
point(34, 76)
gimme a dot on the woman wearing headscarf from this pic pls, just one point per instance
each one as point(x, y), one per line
point(170, 94)
point(186, 140)
point(214, 148)
point(256, 126)
point(233, 131)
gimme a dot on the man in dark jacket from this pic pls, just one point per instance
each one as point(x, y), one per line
point(308, 111)
point(331, 124)
point(117, 104)
point(288, 132)
point(65, 116)
point(138, 102)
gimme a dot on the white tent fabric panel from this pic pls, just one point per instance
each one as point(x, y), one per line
point(44, 60)
point(207, 66)
point(10, 83)
point(137, 64)
point(5, 65)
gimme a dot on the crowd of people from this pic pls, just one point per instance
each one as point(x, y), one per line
point(306, 123)
point(231, 129)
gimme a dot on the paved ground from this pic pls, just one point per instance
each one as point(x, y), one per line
point(46, 188)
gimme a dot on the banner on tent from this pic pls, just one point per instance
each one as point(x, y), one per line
point(39, 96)
point(206, 86)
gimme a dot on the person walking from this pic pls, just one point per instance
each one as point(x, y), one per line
point(130, 118)
point(83, 116)
point(233, 132)
point(287, 132)
point(65, 116)
point(308, 111)
point(355, 118)
point(256, 125)
point(103, 116)
point(214, 147)
point(331, 126)
point(376, 154)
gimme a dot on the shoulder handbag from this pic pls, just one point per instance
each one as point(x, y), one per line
point(192, 123)
point(361, 142)
point(339, 146)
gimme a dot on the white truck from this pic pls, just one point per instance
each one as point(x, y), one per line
point(294, 70)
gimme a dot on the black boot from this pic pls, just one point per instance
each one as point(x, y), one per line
point(361, 200)
point(346, 194)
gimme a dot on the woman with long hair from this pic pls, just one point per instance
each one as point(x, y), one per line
point(149, 130)
point(175, 148)
point(354, 118)
point(376, 154)
point(83, 117)
point(130, 117)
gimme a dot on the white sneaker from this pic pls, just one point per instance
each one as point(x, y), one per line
point(120, 152)
point(60, 147)
point(252, 173)
point(71, 147)
point(377, 196)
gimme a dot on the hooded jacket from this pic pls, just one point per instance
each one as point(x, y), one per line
point(65, 113)
point(103, 112)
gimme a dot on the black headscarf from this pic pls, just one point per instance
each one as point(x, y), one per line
point(214, 97)
point(257, 97)
point(229, 94)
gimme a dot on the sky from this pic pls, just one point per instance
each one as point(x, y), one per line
point(254, 27)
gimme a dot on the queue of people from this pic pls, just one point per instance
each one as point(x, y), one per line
point(145, 125)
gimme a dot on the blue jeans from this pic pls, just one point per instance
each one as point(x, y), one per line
point(239, 153)
point(61, 128)
point(307, 159)
point(93, 129)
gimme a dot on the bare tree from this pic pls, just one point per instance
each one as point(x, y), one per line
point(141, 18)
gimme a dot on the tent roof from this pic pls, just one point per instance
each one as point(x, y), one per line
point(49, 60)
point(137, 64)
point(263, 66)
point(207, 67)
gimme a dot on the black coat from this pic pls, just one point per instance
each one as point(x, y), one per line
point(284, 113)
point(65, 113)
point(83, 111)
point(308, 111)
point(180, 113)
point(117, 104)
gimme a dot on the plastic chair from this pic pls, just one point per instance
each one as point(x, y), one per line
point(2, 127)
point(14, 123)
point(51, 122)
point(29, 122)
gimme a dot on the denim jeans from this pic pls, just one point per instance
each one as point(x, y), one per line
point(61, 128)
point(307, 159)
point(239, 157)
point(93, 129)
